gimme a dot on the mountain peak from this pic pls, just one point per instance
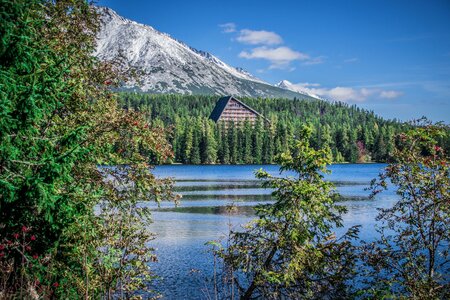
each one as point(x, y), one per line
point(171, 66)
point(285, 84)
point(108, 13)
point(298, 88)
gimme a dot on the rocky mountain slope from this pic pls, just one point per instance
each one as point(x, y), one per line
point(170, 66)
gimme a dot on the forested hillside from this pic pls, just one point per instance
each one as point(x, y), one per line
point(353, 134)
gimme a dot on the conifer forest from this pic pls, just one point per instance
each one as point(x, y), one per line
point(353, 134)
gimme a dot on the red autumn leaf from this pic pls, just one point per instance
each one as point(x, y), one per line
point(437, 148)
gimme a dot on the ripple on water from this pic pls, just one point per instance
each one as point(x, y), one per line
point(204, 215)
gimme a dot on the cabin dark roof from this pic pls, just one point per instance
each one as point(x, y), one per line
point(220, 106)
point(222, 103)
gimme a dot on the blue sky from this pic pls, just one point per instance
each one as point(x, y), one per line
point(392, 57)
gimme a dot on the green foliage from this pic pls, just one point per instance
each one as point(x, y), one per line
point(411, 259)
point(290, 250)
point(58, 122)
point(338, 126)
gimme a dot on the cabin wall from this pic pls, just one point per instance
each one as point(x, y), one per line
point(235, 112)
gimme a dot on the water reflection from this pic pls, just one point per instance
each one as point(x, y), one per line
point(232, 209)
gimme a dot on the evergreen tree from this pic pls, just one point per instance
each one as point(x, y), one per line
point(188, 143)
point(268, 147)
point(196, 140)
point(290, 250)
point(233, 143)
point(257, 146)
point(247, 145)
point(380, 148)
point(209, 146)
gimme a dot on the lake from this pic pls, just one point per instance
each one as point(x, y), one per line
point(185, 265)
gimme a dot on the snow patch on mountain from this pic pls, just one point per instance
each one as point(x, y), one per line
point(302, 89)
point(170, 66)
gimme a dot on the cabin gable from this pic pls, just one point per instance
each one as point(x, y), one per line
point(229, 109)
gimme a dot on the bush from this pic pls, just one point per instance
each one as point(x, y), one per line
point(411, 259)
point(58, 122)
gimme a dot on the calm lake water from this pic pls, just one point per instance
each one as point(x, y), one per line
point(185, 265)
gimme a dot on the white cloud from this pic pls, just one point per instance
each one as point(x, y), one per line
point(279, 57)
point(315, 61)
point(390, 94)
point(228, 27)
point(261, 37)
point(344, 94)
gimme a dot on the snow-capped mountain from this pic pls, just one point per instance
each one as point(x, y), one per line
point(170, 66)
point(285, 84)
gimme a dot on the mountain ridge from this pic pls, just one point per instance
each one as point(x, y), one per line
point(168, 65)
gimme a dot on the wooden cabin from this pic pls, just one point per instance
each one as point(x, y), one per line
point(229, 109)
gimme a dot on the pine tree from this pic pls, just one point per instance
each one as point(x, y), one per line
point(247, 143)
point(257, 142)
point(188, 143)
point(233, 143)
point(196, 141)
point(290, 250)
point(209, 145)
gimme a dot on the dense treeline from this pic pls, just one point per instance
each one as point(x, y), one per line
point(353, 134)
